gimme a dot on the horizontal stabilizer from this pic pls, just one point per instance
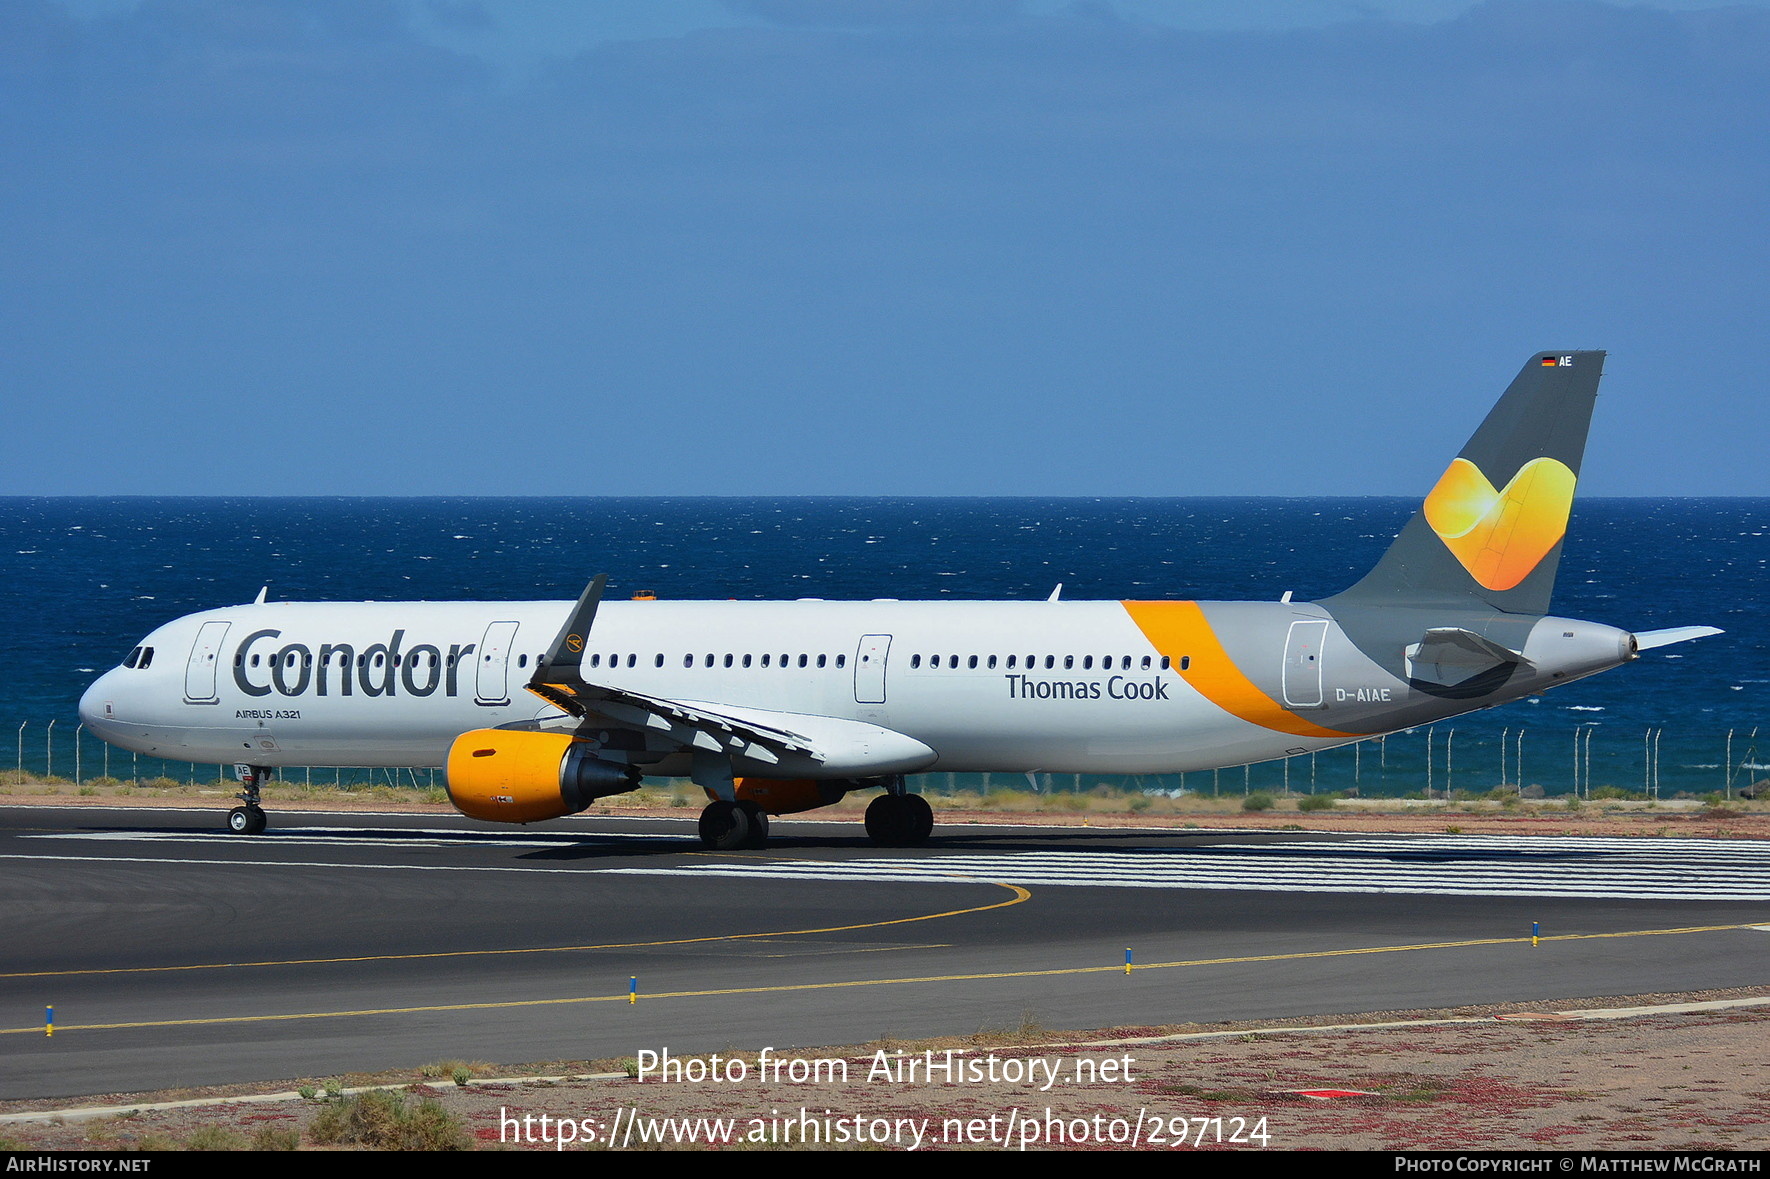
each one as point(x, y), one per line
point(1647, 640)
point(1457, 647)
point(1450, 655)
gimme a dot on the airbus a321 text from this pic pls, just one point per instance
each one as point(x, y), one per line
point(535, 709)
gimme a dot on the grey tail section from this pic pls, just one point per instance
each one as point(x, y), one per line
point(1489, 534)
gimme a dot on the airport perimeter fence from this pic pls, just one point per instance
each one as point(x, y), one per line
point(1433, 761)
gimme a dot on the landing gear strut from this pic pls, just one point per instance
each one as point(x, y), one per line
point(248, 819)
point(898, 818)
point(729, 823)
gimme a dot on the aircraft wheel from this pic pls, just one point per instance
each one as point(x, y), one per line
point(920, 818)
point(246, 820)
point(724, 826)
point(757, 818)
point(889, 821)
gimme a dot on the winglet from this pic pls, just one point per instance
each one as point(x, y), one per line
point(558, 677)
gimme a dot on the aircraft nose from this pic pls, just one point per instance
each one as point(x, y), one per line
point(97, 703)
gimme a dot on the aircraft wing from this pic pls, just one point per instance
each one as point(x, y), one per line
point(797, 743)
point(690, 725)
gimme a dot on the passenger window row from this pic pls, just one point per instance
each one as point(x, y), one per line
point(1050, 662)
point(599, 660)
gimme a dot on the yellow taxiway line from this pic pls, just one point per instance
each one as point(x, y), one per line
point(1116, 968)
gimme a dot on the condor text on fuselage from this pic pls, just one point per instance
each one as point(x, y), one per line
point(380, 669)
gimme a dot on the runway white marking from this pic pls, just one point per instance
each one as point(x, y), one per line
point(352, 837)
point(1648, 869)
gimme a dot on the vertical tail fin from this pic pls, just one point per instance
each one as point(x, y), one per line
point(1490, 530)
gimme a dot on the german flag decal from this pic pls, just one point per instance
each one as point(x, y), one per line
point(1550, 361)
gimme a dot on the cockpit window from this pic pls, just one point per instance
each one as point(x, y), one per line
point(129, 659)
point(147, 657)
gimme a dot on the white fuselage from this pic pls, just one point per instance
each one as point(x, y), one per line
point(984, 686)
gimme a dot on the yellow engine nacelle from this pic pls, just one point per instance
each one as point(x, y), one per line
point(786, 796)
point(519, 776)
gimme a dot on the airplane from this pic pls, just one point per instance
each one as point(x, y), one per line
point(537, 709)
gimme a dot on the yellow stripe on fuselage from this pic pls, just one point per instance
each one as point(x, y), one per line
point(1180, 629)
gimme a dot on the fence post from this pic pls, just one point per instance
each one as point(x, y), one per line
point(49, 752)
point(21, 749)
point(77, 731)
point(1727, 768)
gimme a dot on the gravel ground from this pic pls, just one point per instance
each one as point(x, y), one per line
point(1555, 1078)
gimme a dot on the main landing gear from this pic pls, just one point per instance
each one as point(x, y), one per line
point(898, 818)
point(733, 826)
point(248, 819)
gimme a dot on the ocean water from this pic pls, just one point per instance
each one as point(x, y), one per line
point(81, 579)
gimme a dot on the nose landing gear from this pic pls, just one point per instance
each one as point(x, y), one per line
point(248, 819)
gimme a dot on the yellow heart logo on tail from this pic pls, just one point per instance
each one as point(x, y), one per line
point(1500, 536)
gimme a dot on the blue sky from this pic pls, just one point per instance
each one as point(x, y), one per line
point(954, 247)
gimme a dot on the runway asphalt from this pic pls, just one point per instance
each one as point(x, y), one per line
point(177, 955)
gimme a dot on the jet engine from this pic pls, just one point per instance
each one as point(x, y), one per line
point(521, 776)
